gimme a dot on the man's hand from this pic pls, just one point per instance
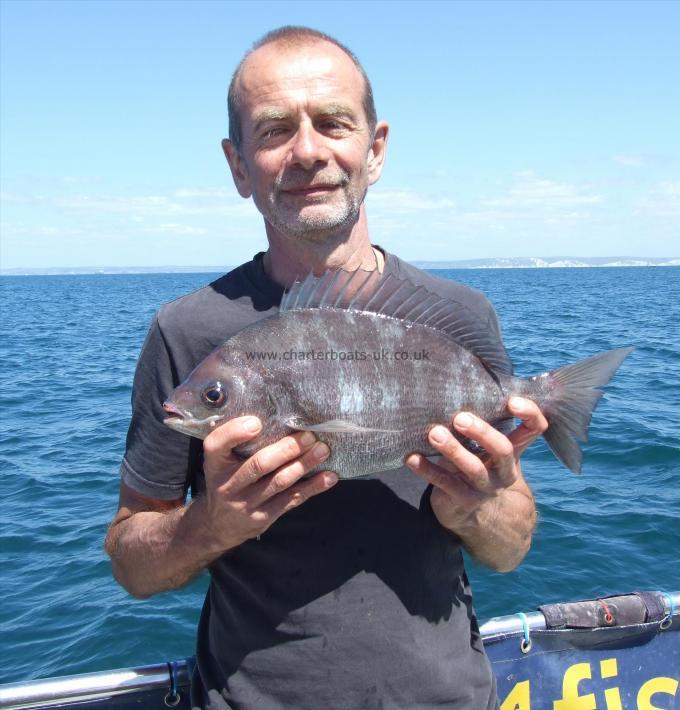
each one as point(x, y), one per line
point(484, 499)
point(243, 498)
point(156, 544)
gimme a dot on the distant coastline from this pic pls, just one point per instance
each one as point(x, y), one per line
point(532, 262)
point(550, 262)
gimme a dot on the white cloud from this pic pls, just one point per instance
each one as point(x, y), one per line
point(216, 204)
point(662, 201)
point(402, 201)
point(172, 228)
point(531, 191)
point(14, 197)
point(202, 192)
point(528, 202)
point(150, 204)
point(80, 180)
point(22, 230)
point(112, 223)
point(630, 160)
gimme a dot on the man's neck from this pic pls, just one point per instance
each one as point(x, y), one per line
point(288, 259)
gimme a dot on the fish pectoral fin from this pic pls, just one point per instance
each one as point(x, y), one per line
point(340, 426)
point(333, 426)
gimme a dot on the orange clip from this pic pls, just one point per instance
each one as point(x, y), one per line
point(608, 616)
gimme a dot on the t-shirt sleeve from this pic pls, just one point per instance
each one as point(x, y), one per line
point(156, 461)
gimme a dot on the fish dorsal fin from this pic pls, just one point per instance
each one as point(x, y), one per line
point(398, 297)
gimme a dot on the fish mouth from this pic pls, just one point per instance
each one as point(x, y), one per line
point(176, 414)
point(179, 420)
point(183, 422)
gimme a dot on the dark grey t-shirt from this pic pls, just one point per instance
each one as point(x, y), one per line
point(358, 598)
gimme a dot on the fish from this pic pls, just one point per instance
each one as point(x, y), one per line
point(370, 363)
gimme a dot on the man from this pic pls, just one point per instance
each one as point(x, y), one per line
point(344, 595)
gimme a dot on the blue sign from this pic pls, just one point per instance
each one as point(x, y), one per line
point(620, 668)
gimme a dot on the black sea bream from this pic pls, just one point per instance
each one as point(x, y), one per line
point(370, 364)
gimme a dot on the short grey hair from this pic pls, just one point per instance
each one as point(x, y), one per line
point(292, 36)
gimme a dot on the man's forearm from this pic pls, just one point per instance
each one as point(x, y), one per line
point(156, 545)
point(157, 551)
point(499, 534)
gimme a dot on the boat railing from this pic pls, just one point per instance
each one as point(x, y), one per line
point(170, 681)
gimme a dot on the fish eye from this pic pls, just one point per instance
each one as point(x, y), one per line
point(214, 395)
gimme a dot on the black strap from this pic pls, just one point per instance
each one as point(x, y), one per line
point(654, 604)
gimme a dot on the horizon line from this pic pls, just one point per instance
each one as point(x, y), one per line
point(484, 262)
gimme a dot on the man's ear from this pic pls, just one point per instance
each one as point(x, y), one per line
point(239, 171)
point(377, 152)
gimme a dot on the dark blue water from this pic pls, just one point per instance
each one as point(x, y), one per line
point(69, 346)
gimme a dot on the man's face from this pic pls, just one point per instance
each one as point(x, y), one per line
point(307, 155)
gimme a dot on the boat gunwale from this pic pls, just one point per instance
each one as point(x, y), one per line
point(175, 675)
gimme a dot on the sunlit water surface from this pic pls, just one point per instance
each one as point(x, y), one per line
point(69, 347)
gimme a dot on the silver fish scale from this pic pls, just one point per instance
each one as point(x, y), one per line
point(404, 394)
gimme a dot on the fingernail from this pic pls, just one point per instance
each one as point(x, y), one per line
point(330, 478)
point(320, 451)
point(516, 403)
point(412, 461)
point(438, 434)
point(251, 425)
point(307, 438)
point(464, 421)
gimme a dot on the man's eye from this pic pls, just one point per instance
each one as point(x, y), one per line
point(272, 133)
point(333, 125)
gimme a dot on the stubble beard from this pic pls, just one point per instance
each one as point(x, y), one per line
point(318, 220)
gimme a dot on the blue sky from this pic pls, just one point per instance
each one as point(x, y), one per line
point(518, 128)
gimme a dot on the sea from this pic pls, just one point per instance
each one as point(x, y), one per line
point(68, 351)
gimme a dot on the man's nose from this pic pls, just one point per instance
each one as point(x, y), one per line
point(308, 147)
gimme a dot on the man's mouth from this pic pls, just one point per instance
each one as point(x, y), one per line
point(311, 191)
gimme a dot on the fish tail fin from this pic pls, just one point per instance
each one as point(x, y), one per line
point(572, 398)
